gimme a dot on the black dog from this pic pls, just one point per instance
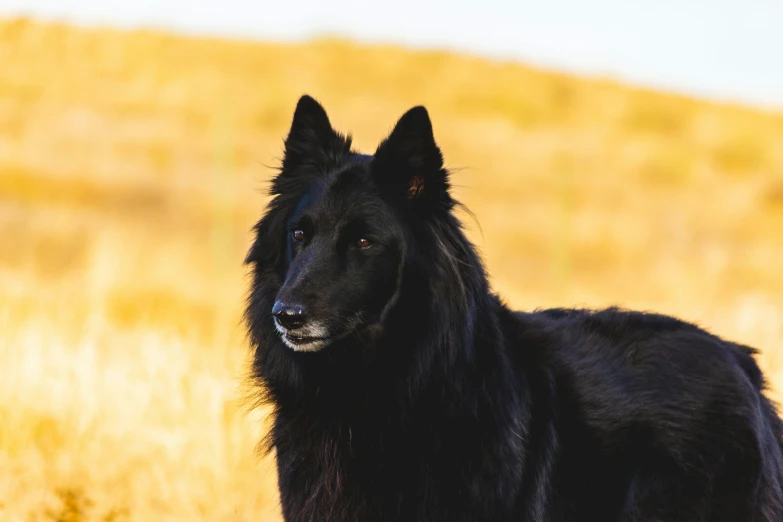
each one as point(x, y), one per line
point(404, 390)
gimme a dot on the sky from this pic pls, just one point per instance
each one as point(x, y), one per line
point(728, 50)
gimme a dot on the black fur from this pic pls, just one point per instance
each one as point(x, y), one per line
point(430, 400)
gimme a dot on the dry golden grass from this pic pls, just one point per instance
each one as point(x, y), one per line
point(133, 164)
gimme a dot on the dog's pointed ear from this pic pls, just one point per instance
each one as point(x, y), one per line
point(409, 161)
point(311, 136)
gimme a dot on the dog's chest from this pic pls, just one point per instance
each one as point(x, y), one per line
point(383, 473)
point(347, 472)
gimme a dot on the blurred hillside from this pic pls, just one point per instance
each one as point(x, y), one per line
point(133, 165)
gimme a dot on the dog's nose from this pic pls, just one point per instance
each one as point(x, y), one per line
point(289, 316)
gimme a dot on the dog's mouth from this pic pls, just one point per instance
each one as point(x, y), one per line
point(316, 335)
point(300, 343)
point(293, 337)
point(309, 338)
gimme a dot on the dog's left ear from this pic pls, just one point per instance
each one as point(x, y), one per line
point(311, 139)
point(409, 162)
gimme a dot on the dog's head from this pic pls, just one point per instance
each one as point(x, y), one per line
point(331, 249)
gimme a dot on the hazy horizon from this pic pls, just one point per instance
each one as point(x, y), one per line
point(720, 50)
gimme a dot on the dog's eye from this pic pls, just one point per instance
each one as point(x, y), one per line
point(299, 234)
point(363, 243)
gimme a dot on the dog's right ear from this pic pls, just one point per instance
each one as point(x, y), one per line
point(311, 138)
point(410, 164)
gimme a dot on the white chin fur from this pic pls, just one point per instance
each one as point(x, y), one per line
point(313, 346)
point(310, 330)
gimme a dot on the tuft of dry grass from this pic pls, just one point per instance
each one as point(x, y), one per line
point(133, 164)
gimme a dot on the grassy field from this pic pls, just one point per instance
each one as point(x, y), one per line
point(133, 165)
